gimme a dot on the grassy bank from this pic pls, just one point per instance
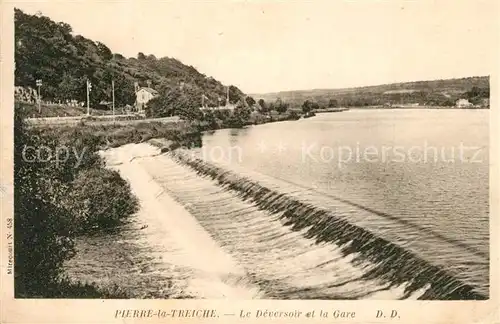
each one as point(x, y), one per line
point(63, 191)
point(32, 110)
point(226, 118)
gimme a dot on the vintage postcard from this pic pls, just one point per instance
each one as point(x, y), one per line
point(249, 161)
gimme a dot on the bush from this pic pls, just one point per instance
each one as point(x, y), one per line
point(41, 227)
point(100, 199)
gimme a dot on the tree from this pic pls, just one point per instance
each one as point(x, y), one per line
point(280, 106)
point(234, 94)
point(307, 106)
point(65, 28)
point(124, 90)
point(141, 56)
point(165, 104)
point(333, 103)
point(241, 115)
point(263, 106)
point(190, 114)
point(159, 107)
point(250, 101)
point(174, 101)
point(104, 51)
point(71, 88)
point(476, 94)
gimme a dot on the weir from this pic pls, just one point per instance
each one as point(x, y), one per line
point(177, 245)
point(283, 263)
point(390, 263)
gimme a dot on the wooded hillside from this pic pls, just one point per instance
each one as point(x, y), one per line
point(431, 93)
point(49, 51)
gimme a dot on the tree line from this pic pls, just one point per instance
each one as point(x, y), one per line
point(361, 98)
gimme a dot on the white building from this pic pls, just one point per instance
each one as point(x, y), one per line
point(143, 96)
point(463, 103)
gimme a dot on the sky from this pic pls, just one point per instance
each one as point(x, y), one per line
point(268, 46)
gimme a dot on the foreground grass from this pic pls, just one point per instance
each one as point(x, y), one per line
point(102, 136)
point(66, 288)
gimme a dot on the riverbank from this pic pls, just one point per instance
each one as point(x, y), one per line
point(416, 107)
point(330, 110)
point(99, 120)
point(64, 191)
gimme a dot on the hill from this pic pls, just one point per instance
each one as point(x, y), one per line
point(431, 93)
point(49, 51)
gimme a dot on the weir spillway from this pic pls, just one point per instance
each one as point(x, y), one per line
point(233, 233)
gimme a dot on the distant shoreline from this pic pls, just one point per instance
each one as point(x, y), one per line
point(330, 110)
point(418, 107)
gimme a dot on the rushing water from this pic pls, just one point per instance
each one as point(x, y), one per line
point(359, 204)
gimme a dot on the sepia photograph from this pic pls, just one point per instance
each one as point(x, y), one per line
point(238, 150)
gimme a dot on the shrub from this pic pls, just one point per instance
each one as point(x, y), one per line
point(42, 235)
point(100, 199)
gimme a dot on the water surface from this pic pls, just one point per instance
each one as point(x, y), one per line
point(283, 211)
point(422, 175)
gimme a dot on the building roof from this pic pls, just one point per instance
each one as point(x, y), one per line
point(150, 90)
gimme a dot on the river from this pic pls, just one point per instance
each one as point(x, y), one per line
point(381, 204)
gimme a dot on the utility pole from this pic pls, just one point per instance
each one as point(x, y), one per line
point(113, 90)
point(89, 87)
point(39, 85)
